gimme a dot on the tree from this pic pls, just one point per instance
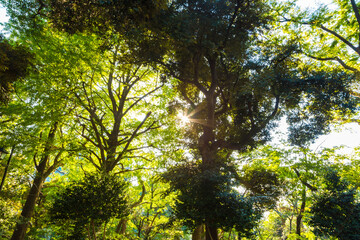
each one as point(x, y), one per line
point(335, 211)
point(334, 28)
point(117, 110)
point(14, 64)
point(37, 121)
point(232, 96)
point(110, 114)
point(104, 89)
point(89, 204)
point(43, 170)
point(207, 194)
point(232, 87)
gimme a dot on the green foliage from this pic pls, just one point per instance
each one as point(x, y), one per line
point(264, 184)
point(206, 195)
point(101, 16)
point(328, 34)
point(14, 63)
point(310, 99)
point(7, 218)
point(325, 95)
point(67, 65)
point(96, 198)
point(335, 211)
point(234, 88)
point(232, 85)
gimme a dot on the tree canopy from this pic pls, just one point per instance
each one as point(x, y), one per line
point(150, 119)
point(15, 61)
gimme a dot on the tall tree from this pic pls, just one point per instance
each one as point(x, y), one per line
point(114, 113)
point(233, 88)
point(37, 119)
point(232, 96)
point(104, 87)
point(116, 99)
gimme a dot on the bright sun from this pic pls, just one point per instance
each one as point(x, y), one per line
point(184, 119)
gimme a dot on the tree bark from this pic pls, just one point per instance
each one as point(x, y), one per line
point(6, 168)
point(28, 209)
point(199, 233)
point(300, 215)
point(121, 227)
point(211, 233)
point(207, 149)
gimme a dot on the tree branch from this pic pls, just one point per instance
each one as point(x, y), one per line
point(35, 163)
point(131, 138)
point(143, 192)
point(356, 49)
point(341, 38)
point(54, 165)
point(110, 80)
point(141, 98)
point(232, 20)
point(187, 99)
point(357, 15)
point(312, 188)
point(342, 63)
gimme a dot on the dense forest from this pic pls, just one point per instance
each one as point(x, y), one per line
point(154, 119)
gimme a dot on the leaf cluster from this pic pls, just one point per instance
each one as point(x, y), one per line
point(206, 195)
point(335, 211)
point(14, 63)
point(323, 94)
point(94, 198)
point(264, 184)
point(101, 15)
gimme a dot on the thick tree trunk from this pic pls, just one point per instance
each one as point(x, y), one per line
point(209, 152)
point(211, 233)
point(199, 233)
point(208, 161)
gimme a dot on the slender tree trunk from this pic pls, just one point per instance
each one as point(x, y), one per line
point(300, 215)
point(93, 229)
point(280, 231)
point(6, 168)
point(28, 209)
point(121, 227)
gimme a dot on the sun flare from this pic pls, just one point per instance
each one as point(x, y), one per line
point(184, 119)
